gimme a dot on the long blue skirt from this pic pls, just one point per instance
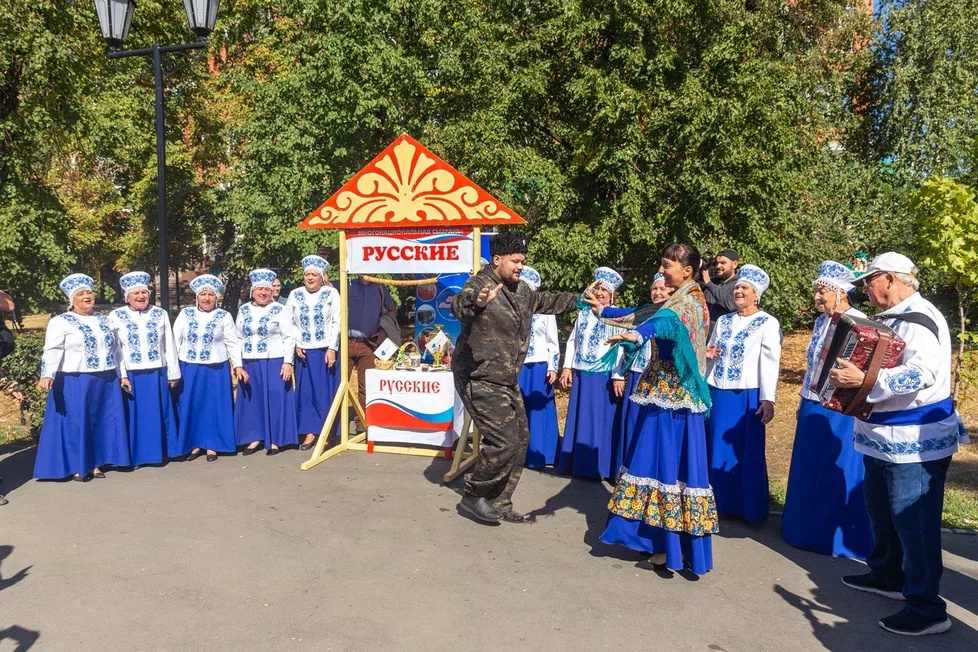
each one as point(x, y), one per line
point(738, 467)
point(149, 415)
point(586, 449)
point(265, 406)
point(626, 417)
point(316, 386)
point(662, 501)
point(824, 510)
point(205, 409)
point(84, 427)
point(541, 415)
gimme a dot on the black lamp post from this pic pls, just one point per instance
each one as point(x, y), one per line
point(114, 18)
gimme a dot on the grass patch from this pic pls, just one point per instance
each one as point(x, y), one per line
point(960, 510)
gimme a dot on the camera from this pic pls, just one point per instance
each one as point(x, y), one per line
point(708, 263)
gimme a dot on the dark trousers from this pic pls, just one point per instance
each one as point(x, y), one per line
point(498, 413)
point(362, 357)
point(905, 503)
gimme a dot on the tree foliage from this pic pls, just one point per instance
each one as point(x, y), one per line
point(613, 126)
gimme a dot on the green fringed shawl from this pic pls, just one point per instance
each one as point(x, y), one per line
point(682, 320)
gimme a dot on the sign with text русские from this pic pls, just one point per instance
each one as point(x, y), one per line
point(419, 251)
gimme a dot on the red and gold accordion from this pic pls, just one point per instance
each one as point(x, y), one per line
point(869, 345)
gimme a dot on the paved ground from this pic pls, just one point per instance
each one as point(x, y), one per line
point(367, 552)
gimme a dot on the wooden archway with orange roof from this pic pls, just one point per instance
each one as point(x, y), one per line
point(406, 186)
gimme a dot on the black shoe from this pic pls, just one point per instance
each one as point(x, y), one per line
point(272, 451)
point(251, 451)
point(305, 447)
point(192, 456)
point(98, 474)
point(480, 508)
point(866, 583)
point(81, 478)
point(211, 458)
point(907, 623)
point(512, 516)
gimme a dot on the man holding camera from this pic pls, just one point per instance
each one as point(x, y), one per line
point(718, 285)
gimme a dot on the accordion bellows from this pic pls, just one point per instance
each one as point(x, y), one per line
point(869, 345)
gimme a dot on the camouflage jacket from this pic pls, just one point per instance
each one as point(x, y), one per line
point(494, 339)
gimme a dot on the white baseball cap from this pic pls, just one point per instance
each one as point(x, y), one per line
point(891, 261)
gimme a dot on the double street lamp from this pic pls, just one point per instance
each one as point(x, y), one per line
point(115, 18)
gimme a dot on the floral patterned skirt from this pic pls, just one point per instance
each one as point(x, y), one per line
point(663, 502)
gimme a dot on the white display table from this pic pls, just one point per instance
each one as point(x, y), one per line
point(413, 407)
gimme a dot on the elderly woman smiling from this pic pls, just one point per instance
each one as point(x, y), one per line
point(83, 427)
point(745, 358)
point(824, 510)
point(210, 350)
point(264, 414)
point(149, 362)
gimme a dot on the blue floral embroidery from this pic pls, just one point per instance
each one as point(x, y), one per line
point(208, 339)
point(905, 382)
point(814, 349)
point(91, 342)
point(262, 331)
point(907, 447)
point(263, 327)
point(589, 339)
point(533, 330)
point(246, 330)
point(724, 332)
point(319, 319)
point(153, 328)
point(132, 336)
point(193, 336)
point(643, 357)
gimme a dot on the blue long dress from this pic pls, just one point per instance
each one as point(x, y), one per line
point(824, 510)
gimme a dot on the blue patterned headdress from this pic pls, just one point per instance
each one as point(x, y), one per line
point(755, 277)
point(836, 276)
point(133, 281)
point(207, 282)
point(315, 264)
point(659, 276)
point(261, 278)
point(72, 285)
point(531, 276)
point(608, 277)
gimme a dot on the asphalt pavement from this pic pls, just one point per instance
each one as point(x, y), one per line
point(368, 552)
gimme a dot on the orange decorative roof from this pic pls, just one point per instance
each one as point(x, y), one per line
point(407, 186)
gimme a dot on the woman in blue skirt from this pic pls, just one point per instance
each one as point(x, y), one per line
point(536, 382)
point(315, 309)
point(149, 361)
point(209, 349)
point(744, 361)
point(824, 509)
point(84, 429)
point(625, 426)
point(264, 412)
point(663, 503)
point(586, 449)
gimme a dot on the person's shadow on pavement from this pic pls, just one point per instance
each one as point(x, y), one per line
point(7, 582)
point(23, 638)
point(17, 468)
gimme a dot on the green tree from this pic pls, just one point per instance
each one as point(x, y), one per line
point(924, 109)
point(947, 235)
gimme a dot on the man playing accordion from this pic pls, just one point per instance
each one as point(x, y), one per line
point(907, 443)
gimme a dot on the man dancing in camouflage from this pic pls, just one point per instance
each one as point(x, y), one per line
point(495, 309)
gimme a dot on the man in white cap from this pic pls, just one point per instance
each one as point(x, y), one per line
point(907, 444)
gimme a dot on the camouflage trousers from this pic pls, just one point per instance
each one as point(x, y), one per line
point(498, 413)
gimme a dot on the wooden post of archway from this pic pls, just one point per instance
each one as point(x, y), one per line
point(407, 187)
